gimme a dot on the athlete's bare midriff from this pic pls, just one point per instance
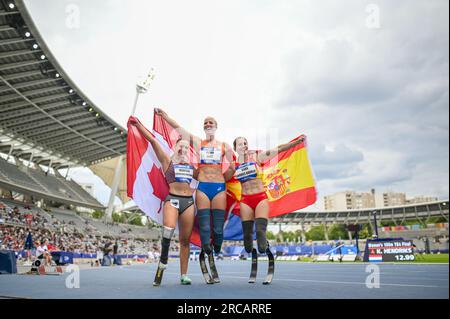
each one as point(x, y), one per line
point(211, 174)
point(182, 189)
point(254, 186)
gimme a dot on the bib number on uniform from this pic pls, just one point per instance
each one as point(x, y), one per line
point(175, 203)
point(210, 155)
point(245, 172)
point(183, 173)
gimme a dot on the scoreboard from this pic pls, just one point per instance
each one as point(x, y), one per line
point(396, 250)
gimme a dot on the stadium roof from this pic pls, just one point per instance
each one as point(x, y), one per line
point(44, 116)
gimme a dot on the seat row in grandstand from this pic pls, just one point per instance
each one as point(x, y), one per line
point(23, 207)
point(54, 185)
point(69, 217)
point(123, 230)
point(11, 173)
point(46, 184)
point(26, 214)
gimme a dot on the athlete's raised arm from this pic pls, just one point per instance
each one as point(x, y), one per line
point(196, 141)
point(268, 155)
point(162, 156)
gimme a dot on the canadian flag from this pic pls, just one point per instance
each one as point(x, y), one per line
point(146, 184)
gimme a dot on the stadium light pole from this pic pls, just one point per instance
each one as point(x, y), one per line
point(358, 228)
point(374, 213)
point(142, 87)
point(114, 188)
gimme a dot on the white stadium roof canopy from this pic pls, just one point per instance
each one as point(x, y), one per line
point(44, 116)
point(41, 110)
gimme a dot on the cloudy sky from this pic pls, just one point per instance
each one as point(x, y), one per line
point(366, 81)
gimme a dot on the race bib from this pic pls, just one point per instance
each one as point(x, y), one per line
point(183, 173)
point(175, 203)
point(246, 172)
point(210, 155)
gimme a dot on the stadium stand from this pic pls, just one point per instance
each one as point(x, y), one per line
point(48, 124)
point(395, 214)
point(66, 231)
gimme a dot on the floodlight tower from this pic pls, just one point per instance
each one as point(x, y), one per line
point(142, 87)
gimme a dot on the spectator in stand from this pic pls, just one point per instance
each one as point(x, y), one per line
point(339, 251)
point(50, 246)
point(29, 244)
point(115, 251)
point(107, 248)
point(151, 257)
point(28, 218)
point(47, 255)
point(116, 248)
point(40, 251)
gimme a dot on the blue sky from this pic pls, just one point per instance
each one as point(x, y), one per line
point(372, 97)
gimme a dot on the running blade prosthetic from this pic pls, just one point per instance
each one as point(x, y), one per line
point(206, 275)
point(271, 269)
point(254, 269)
point(212, 266)
point(159, 274)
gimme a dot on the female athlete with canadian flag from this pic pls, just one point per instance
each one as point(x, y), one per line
point(178, 204)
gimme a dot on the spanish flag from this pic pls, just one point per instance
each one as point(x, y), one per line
point(288, 181)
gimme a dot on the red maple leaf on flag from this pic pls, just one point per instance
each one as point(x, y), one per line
point(157, 179)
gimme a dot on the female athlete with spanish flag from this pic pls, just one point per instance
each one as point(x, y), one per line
point(254, 203)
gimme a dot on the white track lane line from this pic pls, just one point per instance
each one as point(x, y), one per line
point(307, 280)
